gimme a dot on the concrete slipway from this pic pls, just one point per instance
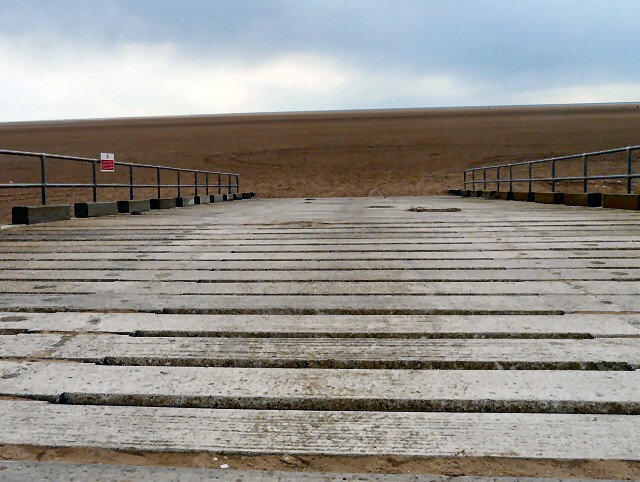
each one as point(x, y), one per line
point(325, 327)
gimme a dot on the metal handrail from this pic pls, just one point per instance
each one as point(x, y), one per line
point(94, 185)
point(553, 178)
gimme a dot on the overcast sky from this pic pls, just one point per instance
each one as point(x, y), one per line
point(63, 59)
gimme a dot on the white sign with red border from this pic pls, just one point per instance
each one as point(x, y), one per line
point(107, 162)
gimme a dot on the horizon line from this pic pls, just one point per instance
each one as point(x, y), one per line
point(311, 112)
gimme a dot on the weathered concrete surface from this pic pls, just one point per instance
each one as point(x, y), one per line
point(530, 435)
point(312, 389)
point(44, 471)
point(205, 199)
point(40, 214)
point(353, 303)
point(134, 205)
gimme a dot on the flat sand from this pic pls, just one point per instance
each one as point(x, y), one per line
point(352, 153)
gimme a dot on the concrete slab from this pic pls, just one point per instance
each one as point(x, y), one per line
point(311, 389)
point(621, 201)
point(163, 203)
point(330, 264)
point(424, 275)
point(466, 354)
point(511, 435)
point(524, 196)
point(202, 199)
point(489, 194)
point(185, 201)
point(134, 205)
point(504, 195)
point(370, 288)
point(310, 326)
point(91, 210)
point(327, 304)
point(592, 199)
point(40, 214)
point(558, 247)
point(217, 198)
point(548, 197)
point(329, 255)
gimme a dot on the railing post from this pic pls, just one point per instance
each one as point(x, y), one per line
point(629, 170)
point(484, 178)
point(238, 183)
point(464, 179)
point(43, 179)
point(206, 182)
point(95, 182)
point(473, 179)
point(195, 175)
point(219, 183)
point(530, 177)
point(553, 175)
point(230, 186)
point(158, 178)
point(498, 180)
point(131, 194)
point(178, 183)
point(585, 173)
point(510, 178)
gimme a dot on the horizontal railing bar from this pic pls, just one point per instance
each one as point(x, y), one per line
point(119, 163)
point(551, 159)
point(562, 158)
point(570, 178)
point(62, 185)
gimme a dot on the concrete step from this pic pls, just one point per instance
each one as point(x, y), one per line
point(467, 354)
point(347, 304)
point(510, 435)
point(558, 287)
point(328, 275)
point(293, 389)
point(345, 326)
point(371, 264)
point(462, 247)
point(392, 255)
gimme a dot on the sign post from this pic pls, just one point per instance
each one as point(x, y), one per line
point(107, 162)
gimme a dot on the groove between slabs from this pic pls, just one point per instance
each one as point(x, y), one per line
point(345, 404)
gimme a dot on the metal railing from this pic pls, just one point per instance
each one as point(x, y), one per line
point(553, 179)
point(211, 179)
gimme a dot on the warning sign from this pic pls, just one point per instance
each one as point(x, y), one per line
point(107, 162)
